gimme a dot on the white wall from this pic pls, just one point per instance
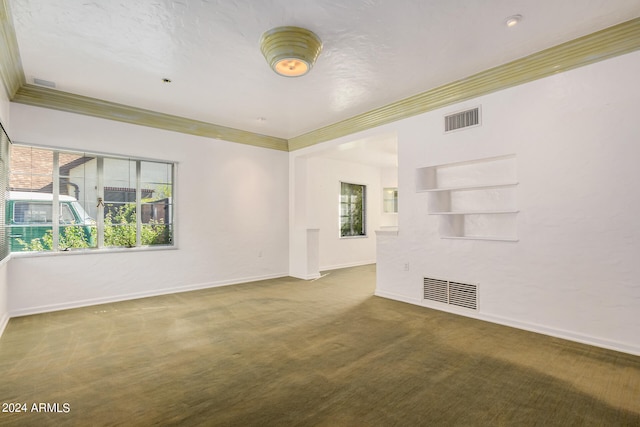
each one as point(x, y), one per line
point(389, 179)
point(231, 217)
point(574, 272)
point(4, 109)
point(323, 192)
point(4, 294)
point(4, 307)
point(314, 177)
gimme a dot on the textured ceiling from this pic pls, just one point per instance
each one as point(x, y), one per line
point(375, 51)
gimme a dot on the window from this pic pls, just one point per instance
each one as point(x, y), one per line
point(390, 200)
point(352, 210)
point(32, 212)
point(63, 200)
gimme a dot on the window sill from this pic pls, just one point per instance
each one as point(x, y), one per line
point(353, 237)
point(92, 251)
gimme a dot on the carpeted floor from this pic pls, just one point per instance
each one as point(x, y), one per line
point(287, 352)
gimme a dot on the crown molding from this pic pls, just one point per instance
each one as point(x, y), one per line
point(610, 42)
point(11, 71)
point(63, 101)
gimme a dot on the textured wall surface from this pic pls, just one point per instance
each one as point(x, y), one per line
point(325, 176)
point(4, 308)
point(315, 173)
point(574, 270)
point(4, 294)
point(231, 217)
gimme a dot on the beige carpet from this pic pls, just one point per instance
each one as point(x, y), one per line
point(293, 353)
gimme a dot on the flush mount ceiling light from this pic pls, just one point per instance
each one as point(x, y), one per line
point(513, 20)
point(290, 51)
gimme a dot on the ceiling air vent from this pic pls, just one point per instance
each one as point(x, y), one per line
point(452, 293)
point(462, 119)
point(42, 82)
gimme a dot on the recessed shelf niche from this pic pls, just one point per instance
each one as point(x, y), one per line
point(474, 199)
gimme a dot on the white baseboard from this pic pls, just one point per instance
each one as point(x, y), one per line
point(567, 335)
point(328, 268)
point(137, 295)
point(396, 297)
point(4, 321)
point(540, 329)
point(347, 265)
point(307, 277)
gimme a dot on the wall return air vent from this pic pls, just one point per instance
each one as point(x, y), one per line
point(452, 293)
point(462, 120)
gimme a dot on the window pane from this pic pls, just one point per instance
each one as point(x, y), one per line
point(119, 202)
point(26, 212)
point(30, 238)
point(390, 200)
point(77, 230)
point(31, 170)
point(352, 210)
point(157, 234)
point(120, 224)
point(157, 177)
point(78, 180)
point(30, 206)
point(30, 226)
point(119, 180)
point(156, 180)
point(77, 237)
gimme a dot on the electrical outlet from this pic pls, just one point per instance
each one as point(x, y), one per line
point(406, 267)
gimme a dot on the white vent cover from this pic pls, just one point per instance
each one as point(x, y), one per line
point(436, 290)
point(462, 119)
point(453, 293)
point(42, 82)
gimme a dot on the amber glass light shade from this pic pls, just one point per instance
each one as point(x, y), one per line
point(290, 51)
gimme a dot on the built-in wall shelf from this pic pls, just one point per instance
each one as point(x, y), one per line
point(476, 199)
point(470, 187)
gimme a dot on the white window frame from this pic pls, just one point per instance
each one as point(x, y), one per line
point(364, 211)
point(100, 247)
point(385, 200)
